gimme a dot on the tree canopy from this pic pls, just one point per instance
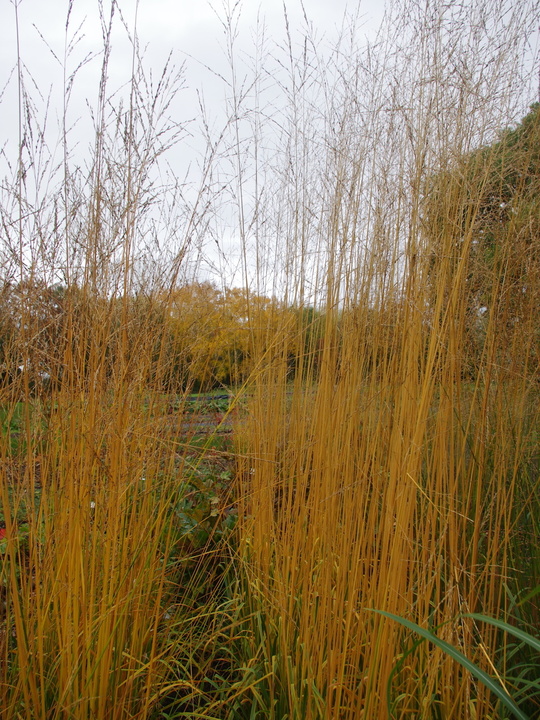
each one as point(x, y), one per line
point(482, 219)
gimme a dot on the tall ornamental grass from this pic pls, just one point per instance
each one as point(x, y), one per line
point(395, 467)
point(98, 580)
point(385, 418)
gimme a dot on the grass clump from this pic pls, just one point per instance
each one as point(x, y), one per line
point(376, 448)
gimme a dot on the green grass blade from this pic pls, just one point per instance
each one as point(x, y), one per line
point(395, 670)
point(533, 593)
point(456, 655)
point(516, 632)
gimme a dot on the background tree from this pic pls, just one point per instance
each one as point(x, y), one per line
point(482, 219)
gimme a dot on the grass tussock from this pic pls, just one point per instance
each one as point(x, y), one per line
point(375, 454)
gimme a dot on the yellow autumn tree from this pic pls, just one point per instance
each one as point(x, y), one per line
point(213, 334)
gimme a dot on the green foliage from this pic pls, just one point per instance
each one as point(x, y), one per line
point(530, 688)
point(14, 550)
point(497, 187)
point(201, 510)
point(511, 170)
point(481, 219)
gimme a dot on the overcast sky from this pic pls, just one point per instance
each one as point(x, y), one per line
point(191, 32)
